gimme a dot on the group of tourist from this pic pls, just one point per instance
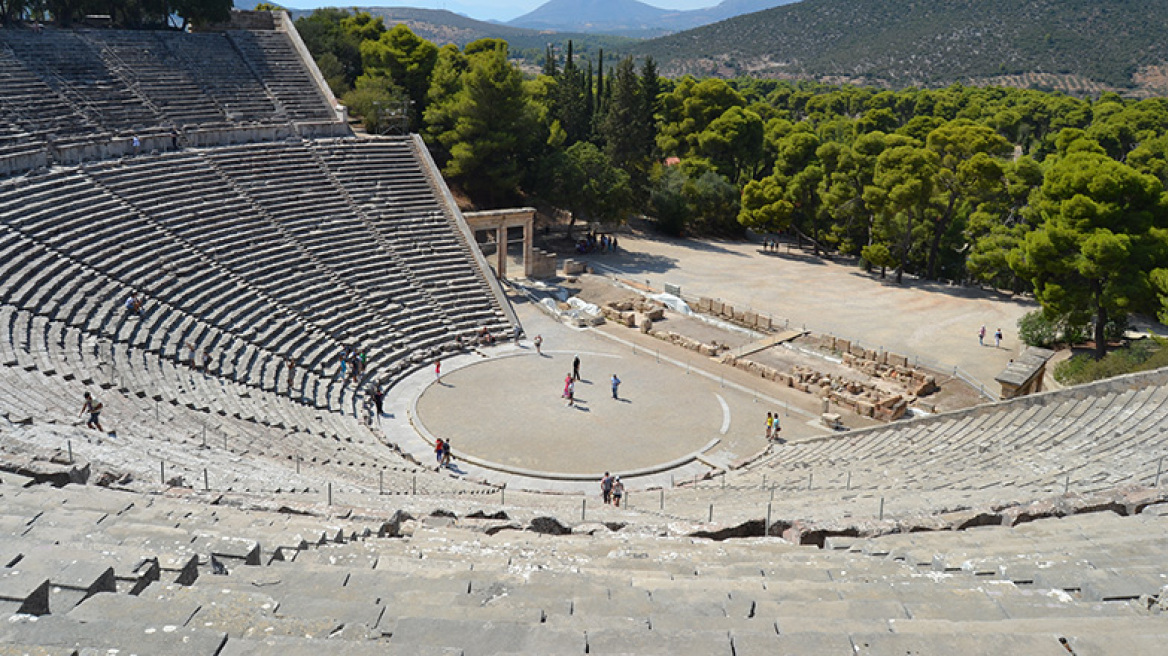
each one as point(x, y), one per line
point(772, 426)
point(352, 363)
point(198, 363)
point(981, 335)
point(612, 490)
point(591, 243)
point(442, 453)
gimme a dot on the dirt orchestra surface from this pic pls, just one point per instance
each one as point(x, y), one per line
point(507, 409)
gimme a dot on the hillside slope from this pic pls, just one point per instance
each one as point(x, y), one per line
point(631, 17)
point(442, 27)
point(1108, 43)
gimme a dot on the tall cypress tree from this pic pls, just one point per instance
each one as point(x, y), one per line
point(572, 105)
point(599, 109)
point(549, 61)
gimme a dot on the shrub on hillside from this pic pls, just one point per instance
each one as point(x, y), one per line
point(1141, 355)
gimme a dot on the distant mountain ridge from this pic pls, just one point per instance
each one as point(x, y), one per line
point(631, 17)
point(1076, 45)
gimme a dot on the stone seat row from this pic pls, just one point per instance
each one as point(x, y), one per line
point(26, 193)
point(455, 583)
point(70, 87)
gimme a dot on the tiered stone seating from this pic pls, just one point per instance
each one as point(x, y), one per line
point(75, 95)
point(34, 107)
point(275, 61)
point(65, 62)
point(107, 570)
point(223, 75)
point(1086, 441)
point(254, 252)
point(165, 81)
point(162, 413)
point(385, 179)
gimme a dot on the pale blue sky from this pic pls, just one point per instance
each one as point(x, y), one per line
point(501, 10)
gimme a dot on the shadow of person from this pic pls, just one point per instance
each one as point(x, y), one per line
point(624, 400)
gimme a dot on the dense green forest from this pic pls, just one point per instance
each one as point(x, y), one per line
point(926, 42)
point(1021, 189)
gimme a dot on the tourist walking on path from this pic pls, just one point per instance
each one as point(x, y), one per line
point(606, 488)
point(438, 370)
point(569, 389)
point(446, 457)
point(538, 344)
point(618, 491)
point(998, 338)
point(615, 384)
point(576, 368)
point(775, 427)
point(439, 450)
point(981, 335)
point(92, 407)
point(770, 425)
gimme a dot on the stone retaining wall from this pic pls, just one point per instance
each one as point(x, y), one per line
point(747, 318)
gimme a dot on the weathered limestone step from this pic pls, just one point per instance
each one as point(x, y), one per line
point(61, 631)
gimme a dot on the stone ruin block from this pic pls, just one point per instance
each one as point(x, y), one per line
point(857, 350)
point(646, 326)
point(897, 360)
point(869, 354)
point(841, 345)
point(705, 305)
point(716, 307)
point(573, 267)
point(865, 408)
point(749, 318)
point(727, 311)
point(655, 314)
point(762, 323)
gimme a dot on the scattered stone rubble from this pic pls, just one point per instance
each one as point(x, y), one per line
point(641, 313)
point(886, 365)
point(863, 398)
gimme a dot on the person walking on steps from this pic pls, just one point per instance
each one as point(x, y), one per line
point(92, 407)
point(378, 397)
point(618, 491)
